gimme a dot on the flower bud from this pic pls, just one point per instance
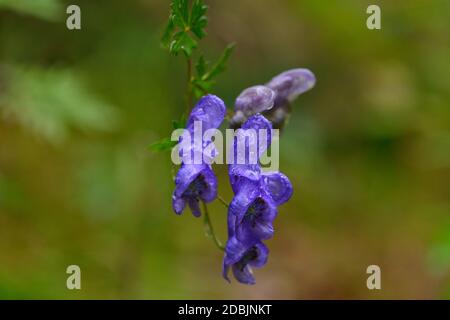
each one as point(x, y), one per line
point(252, 100)
point(290, 84)
point(255, 100)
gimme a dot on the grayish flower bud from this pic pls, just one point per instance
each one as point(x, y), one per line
point(290, 84)
point(255, 100)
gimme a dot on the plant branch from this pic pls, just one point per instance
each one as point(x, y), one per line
point(222, 201)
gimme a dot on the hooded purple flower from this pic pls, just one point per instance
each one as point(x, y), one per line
point(195, 182)
point(247, 169)
point(254, 206)
point(241, 257)
point(257, 194)
point(253, 209)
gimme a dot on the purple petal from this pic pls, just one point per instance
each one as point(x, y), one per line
point(225, 269)
point(255, 100)
point(185, 175)
point(178, 204)
point(257, 122)
point(260, 124)
point(234, 251)
point(243, 199)
point(193, 205)
point(260, 230)
point(247, 144)
point(210, 110)
point(260, 227)
point(243, 274)
point(231, 221)
point(290, 84)
point(263, 230)
point(240, 173)
point(262, 255)
point(210, 193)
point(240, 255)
point(278, 186)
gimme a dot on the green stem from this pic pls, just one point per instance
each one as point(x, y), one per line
point(189, 87)
point(222, 201)
point(174, 171)
point(209, 228)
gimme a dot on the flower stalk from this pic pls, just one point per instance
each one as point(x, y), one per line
point(209, 230)
point(188, 86)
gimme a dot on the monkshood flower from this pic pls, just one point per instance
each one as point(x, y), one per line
point(254, 206)
point(197, 182)
point(245, 164)
point(257, 193)
point(253, 209)
point(241, 256)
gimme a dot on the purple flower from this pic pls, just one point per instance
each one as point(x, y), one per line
point(194, 183)
point(241, 257)
point(253, 209)
point(247, 169)
point(254, 206)
point(197, 182)
point(257, 194)
point(210, 110)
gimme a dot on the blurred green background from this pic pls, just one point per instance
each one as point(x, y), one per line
point(368, 150)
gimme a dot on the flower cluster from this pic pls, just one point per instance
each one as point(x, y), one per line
point(252, 210)
point(257, 194)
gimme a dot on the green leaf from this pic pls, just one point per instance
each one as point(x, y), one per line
point(198, 20)
point(168, 32)
point(204, 80)
point(180, 13)
point(183, 42)
point(179, 124)
point(220, 65)
point(202, 87)
point(185, 26)
point(163, 145)
point(201, 66)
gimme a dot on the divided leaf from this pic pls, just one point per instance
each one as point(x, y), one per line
point(185, 24)
point(220, 65)
point(182, 41)
point(168, 32)
point(205, 79)
point(198, 20)
point(201, 66)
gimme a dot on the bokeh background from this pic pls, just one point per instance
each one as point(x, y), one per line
point(368, 150)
